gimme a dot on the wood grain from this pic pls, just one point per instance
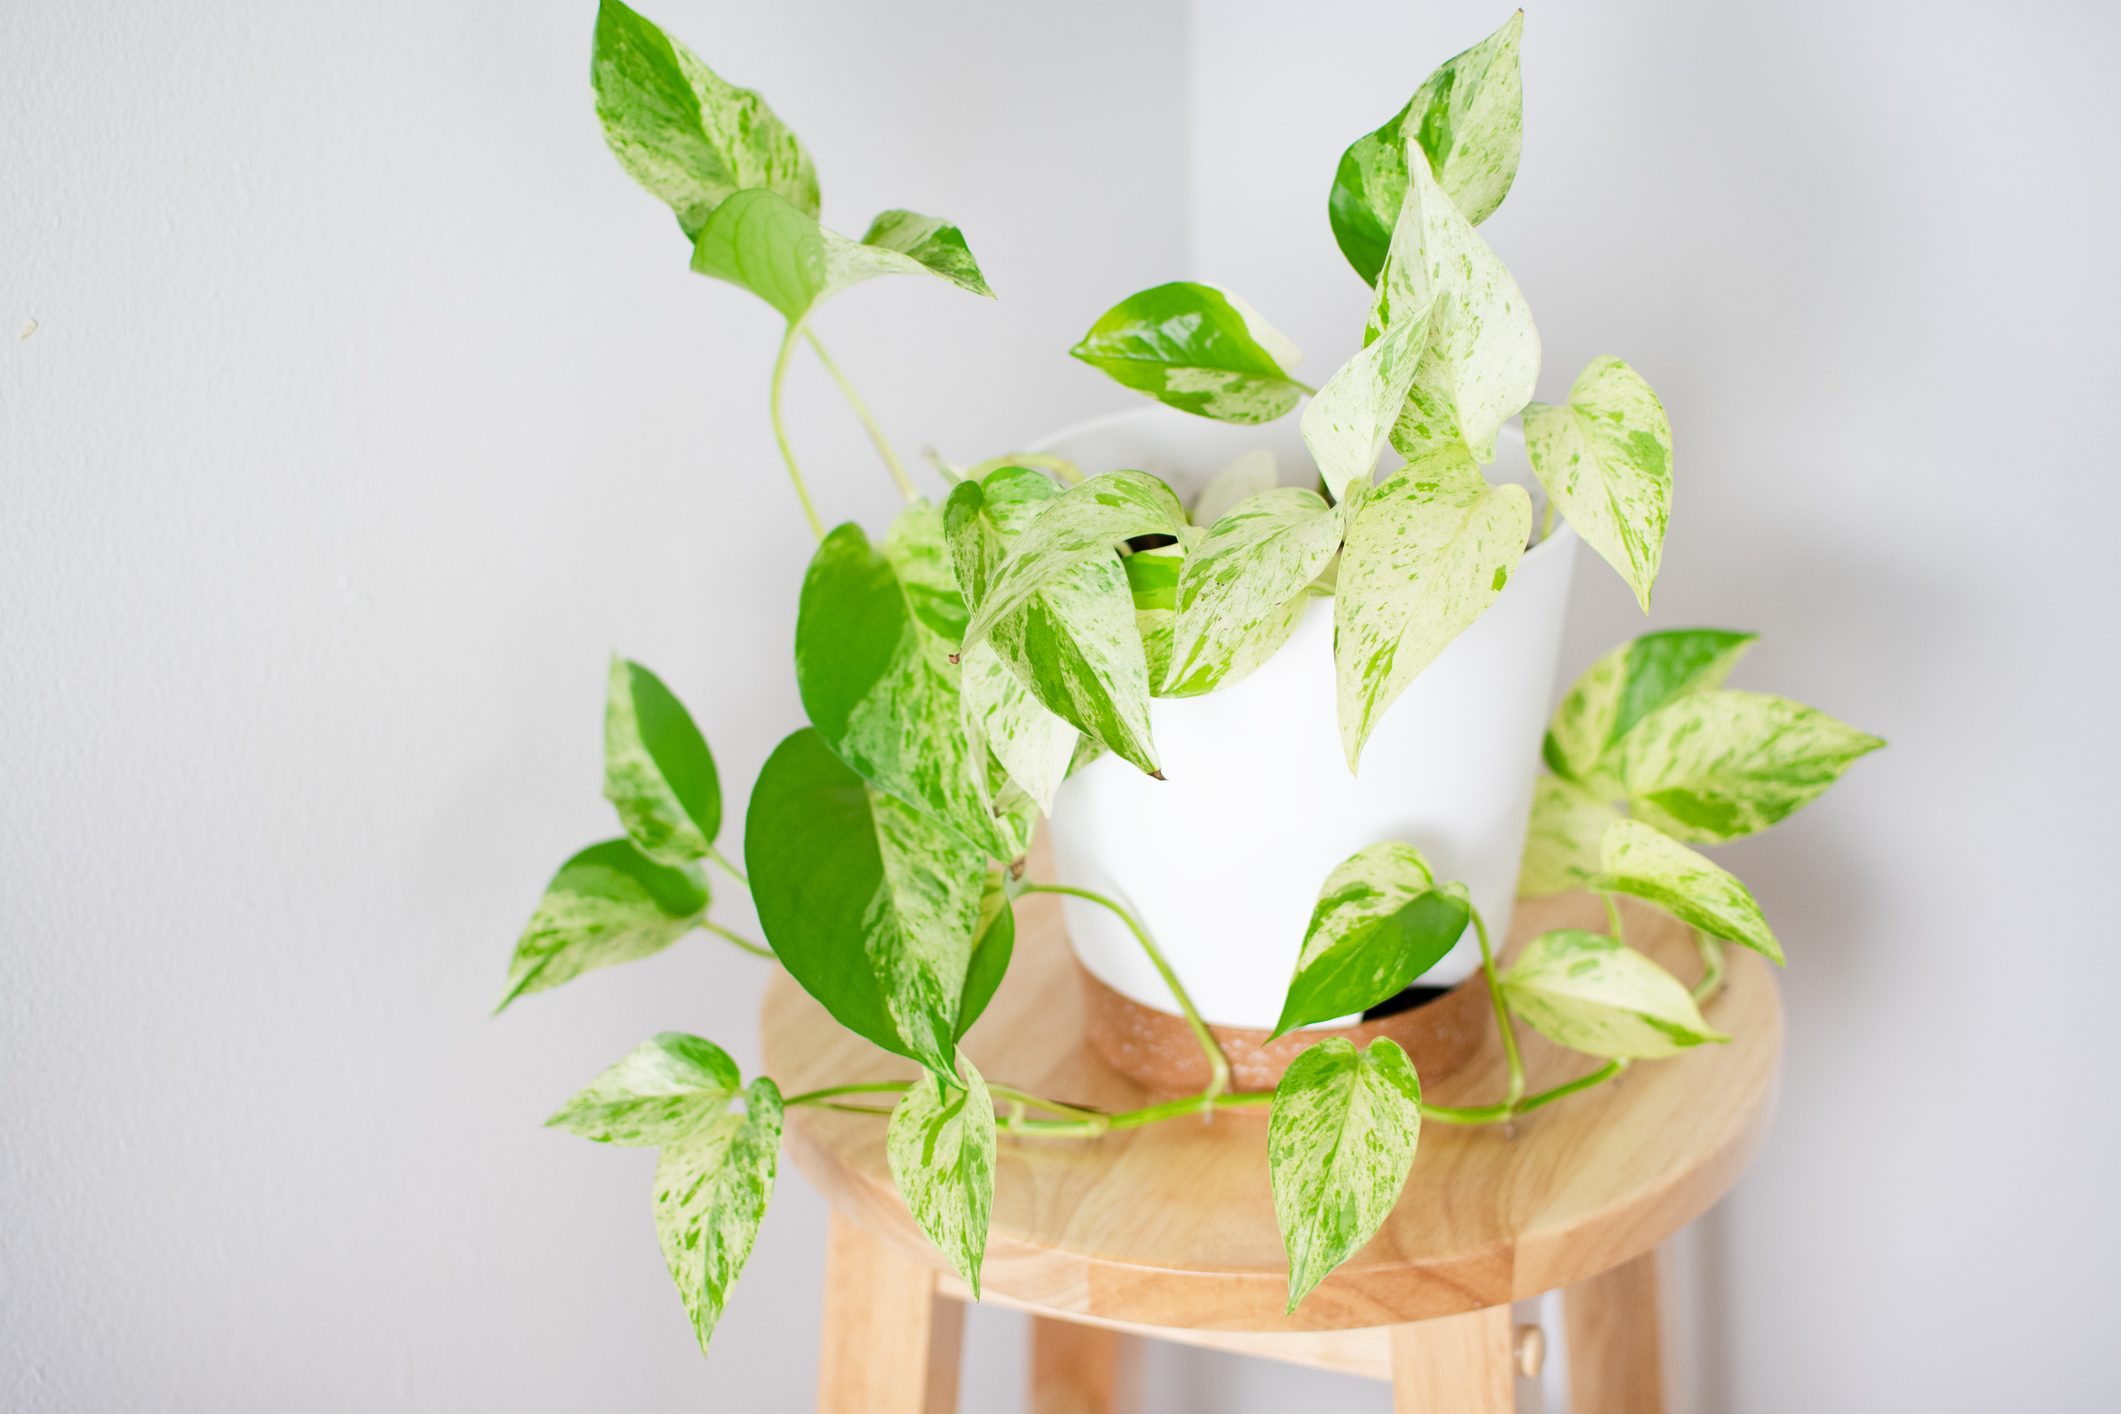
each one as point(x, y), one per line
point(1615, 1326)
point(891, 1344)
point(1078, 1369)
point(1463, 1364)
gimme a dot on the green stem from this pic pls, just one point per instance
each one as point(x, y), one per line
point(1066, 470)
point(869, 423)
point(1218, 1064)
point(1582, 1082)
point(941, 463)
point(830, 1092)
point(1502, 1011)
point(1099, 1124)
point(715, 856)
point(1308, 390)
point(1711, 965)
point(757, 949)
point(1612, 916)
point(780, 433)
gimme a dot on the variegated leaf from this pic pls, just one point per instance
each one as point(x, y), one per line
point(1082, 525)
point(1347, 425)
point(1636, 859)
point(1427, 553)
point(610, 903)
point(1152, 582)
point(1244, 478)
point(664, 1089)
point(711, 1190)
point(940, 1145)
point(683, 133)
point(1626, 685)
point(931, 241)
point(1561, 845)
point(1196, 348)
point(658, 771)
point(868, 903)
point(760, 242)
point(1340, 1144)
point(1481, 360)
point(1717, 765)
point(1468, 120)
point(993, 943)
point(1238, 584)
point(1605, 458)
point(1595, 995)
point(1381, 921)
point(1032, 743)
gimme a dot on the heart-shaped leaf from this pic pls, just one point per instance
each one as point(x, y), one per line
point(1592, 994)
point(763, 243)
point(658, 771)
point(1238, 585)
point(1636, 859)
point(1347, 425)
point(1626, 685)
point(940, 1145)
point(1561, 844)
point(1718, 765)
point(1467, 119)
point(1381, 921)
point(869, 903)
point(1340, 1144)
point(993, 941)
point(711, 1190)
point(610, 903)
point(1427, 553)
point(683, 133)
point(1605, 457)
point(1196, 348)
point(666, 1088)
point(1084, 524)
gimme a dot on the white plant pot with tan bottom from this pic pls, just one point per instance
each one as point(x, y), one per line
point(1223, 859)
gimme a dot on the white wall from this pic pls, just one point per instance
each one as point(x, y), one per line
point(369, 407)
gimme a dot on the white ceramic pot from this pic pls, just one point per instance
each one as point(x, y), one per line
point(1224, 858)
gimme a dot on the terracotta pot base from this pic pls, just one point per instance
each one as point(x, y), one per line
point(1156, 1049)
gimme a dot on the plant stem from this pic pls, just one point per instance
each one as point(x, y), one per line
point(869, 423)
point(1066, 470)
point(757, 949)
point(1218, 1064)
point(874, 1087)
point(1612, 916)
point(715, 856)
point(1711, 965)
point(780, 433)
point(1098, 1124)
point(942, 465)
point(1582, 1082)
point(1502, 1010)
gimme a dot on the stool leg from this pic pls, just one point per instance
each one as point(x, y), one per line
point(1615, 1341)
point(1078, 1369)
point(1455, 1364)
point(890, 1344)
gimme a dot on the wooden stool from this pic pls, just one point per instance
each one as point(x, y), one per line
point(1168, 1231)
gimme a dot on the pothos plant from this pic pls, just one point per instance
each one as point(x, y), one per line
point(957, 670)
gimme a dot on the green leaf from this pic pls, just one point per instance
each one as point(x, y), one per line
point(1636, 859)
point(1628, 684)
point(1717, 765)
point(874, 636)
point(1605, 457)
point(993, 941)
point(1198, 349)
point(1339, 1147)
point(779, 252)
point(1082, 525)
point(610, 903)
point(1468, 120)
point(688, 137)
point(1347, 425)
point(1592, 994)
point(666, 1088)
point(1381, 921)
point(868, 903)
point(1561, 844)
point(1244, 478)
point(1238, 585)
point(1480, 362)
point(710, 1193)
point(657, 768)
point(940, 1144)
point(1152, 582)
point(1428, 552)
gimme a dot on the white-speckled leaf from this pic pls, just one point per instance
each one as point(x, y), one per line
point(610, 903)
point(1718, 765)
point(1032, 743)
point(1084, 524)
point(929, 240)
point(1636, 859)
point(940, 1144)
point(1589, 993)
point(1242, 479)
point(1340, 1144)
point(1152, 582)
point(762, 243)
point(1626, 685)
point(1468, 120)
point(1605, 457)
point(666, 1088)
point(1239, 582)
point(683, 133)
point(1561, 845)
point(1481, 361)
point(1198, 349)
point(1347, 425)
point(711, 1190)
point(1381, 921)
point(658, 771)
point(1428, 552)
